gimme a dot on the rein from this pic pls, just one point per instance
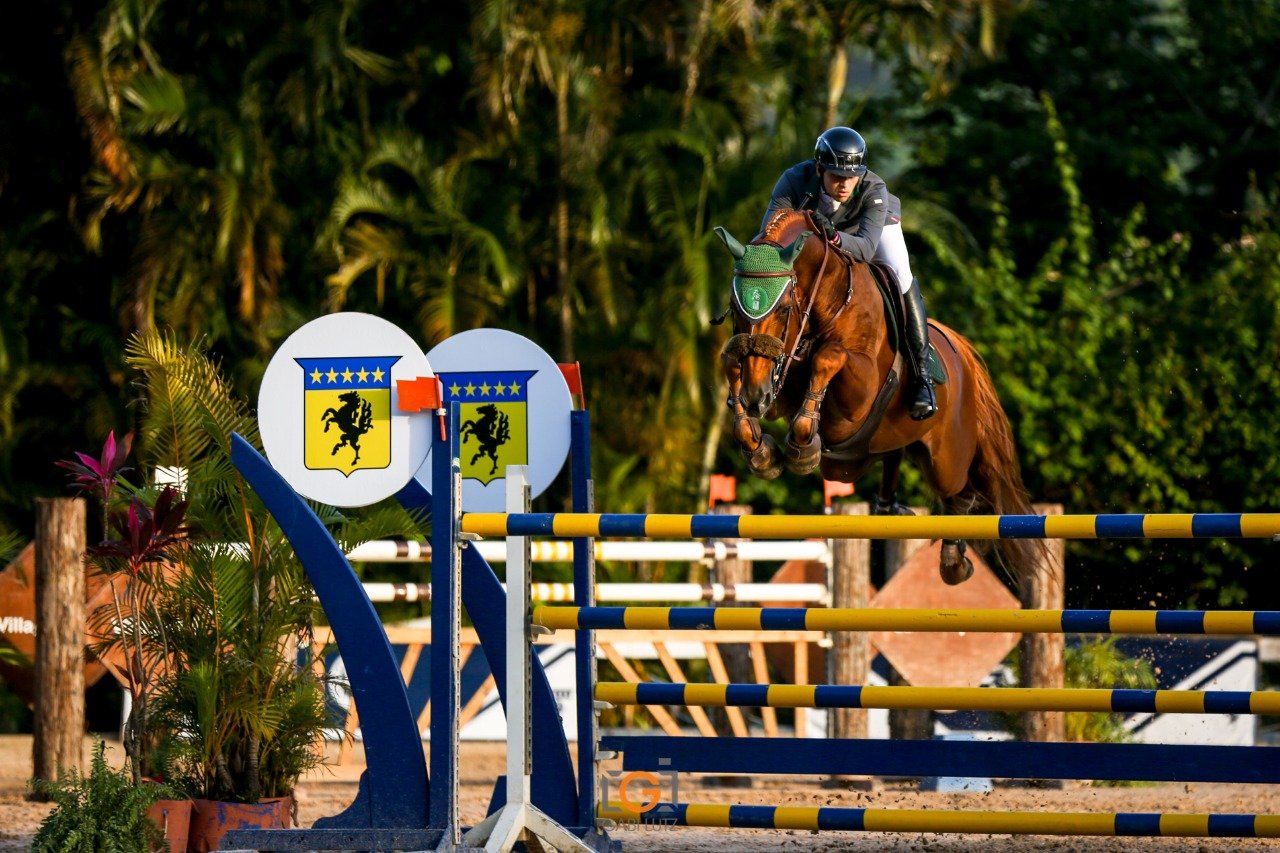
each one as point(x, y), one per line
point(804, 319)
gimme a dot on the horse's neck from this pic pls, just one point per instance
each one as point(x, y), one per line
point(854, 317)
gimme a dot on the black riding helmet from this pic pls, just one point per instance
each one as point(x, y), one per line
point(841, 150)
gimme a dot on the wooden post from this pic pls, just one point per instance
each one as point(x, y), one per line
point(1044, 588)
point(850, 650)
point(59, 661)
point(905, 724)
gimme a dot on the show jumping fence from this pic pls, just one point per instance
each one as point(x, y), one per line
point(402, 806)
point(995, 759)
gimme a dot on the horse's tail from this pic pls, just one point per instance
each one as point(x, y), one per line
point(995, 477)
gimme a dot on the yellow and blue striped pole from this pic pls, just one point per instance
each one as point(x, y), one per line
point(1222, 622)
point(1125, 701)
point(658, 526)
point(965, 822)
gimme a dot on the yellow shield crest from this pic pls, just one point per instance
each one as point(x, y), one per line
point(495, 420)
point(347, 418)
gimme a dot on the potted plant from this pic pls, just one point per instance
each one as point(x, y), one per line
point(101, 811)
point(206, 627)
point(210, 611)
point(238, 696)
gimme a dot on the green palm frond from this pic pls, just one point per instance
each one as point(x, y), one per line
point(192, 394)
point(159, 103)
point(173, 418)
point(10, 544)
point(401, 151)
point(378, 68)
point(383, 520)
point(359, 196)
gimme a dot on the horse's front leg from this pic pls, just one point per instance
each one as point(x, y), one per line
point(803, 447)
point(757, 446)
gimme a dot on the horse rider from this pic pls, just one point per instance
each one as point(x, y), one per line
point(858, 214)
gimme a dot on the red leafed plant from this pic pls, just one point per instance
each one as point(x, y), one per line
point(98, 477)
point(146, 534)
point(134, 538)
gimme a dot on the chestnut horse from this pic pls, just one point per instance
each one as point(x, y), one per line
point(813, 346)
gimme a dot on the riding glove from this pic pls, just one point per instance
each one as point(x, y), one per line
point(828, 230)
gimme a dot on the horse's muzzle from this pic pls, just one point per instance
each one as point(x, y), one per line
point(757, 400)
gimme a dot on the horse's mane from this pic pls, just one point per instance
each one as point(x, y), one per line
point(779, 225)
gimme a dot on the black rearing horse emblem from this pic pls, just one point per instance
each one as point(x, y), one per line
point(353, 419)
point(492, 430)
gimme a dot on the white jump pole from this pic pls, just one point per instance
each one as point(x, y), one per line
point(814, 593)
point(500, 831)
point(561, 551)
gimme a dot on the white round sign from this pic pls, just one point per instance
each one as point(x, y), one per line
point(328, 413)
point(515, 411)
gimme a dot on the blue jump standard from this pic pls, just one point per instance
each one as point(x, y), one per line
point(394, 805)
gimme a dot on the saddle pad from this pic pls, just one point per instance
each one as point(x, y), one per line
point(937, 369)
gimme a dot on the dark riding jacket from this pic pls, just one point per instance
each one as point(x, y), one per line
point(859, 220)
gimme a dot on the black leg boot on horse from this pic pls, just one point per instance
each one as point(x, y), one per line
point(923, 403)
point(885, 502)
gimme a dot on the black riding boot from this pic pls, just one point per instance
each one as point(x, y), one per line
point(923, 404)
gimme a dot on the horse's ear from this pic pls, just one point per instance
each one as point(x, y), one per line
point(735, 248)
point(789, 254)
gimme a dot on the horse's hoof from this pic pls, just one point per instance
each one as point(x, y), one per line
point(764, 461)
point(803, 458)
point(956, 573)
point(891, 508)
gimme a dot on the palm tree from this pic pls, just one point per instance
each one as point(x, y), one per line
point(188, 162)
point(572, 55)
point(414, 223)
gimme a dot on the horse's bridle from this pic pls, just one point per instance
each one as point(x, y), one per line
point(768, 346)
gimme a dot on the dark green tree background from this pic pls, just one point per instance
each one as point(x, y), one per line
point(1090, 191)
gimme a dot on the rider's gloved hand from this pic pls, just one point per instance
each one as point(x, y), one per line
point(828, 230)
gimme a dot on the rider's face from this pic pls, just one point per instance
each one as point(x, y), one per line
point(837, 186)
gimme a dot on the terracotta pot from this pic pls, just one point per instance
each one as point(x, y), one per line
point(174, 819)
point(211, 819)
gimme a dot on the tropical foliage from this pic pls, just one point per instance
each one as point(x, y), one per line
point(227, 606)
point(101, 812)
point(234, 616)
point(1090, 192)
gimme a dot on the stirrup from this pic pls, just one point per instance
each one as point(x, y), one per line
point(925, 404)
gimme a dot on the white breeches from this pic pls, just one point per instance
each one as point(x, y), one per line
point(892, 250)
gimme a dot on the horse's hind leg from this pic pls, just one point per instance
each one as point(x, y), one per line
point(885, 501)
point(954, 566)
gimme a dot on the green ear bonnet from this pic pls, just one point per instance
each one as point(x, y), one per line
point(756, 295)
